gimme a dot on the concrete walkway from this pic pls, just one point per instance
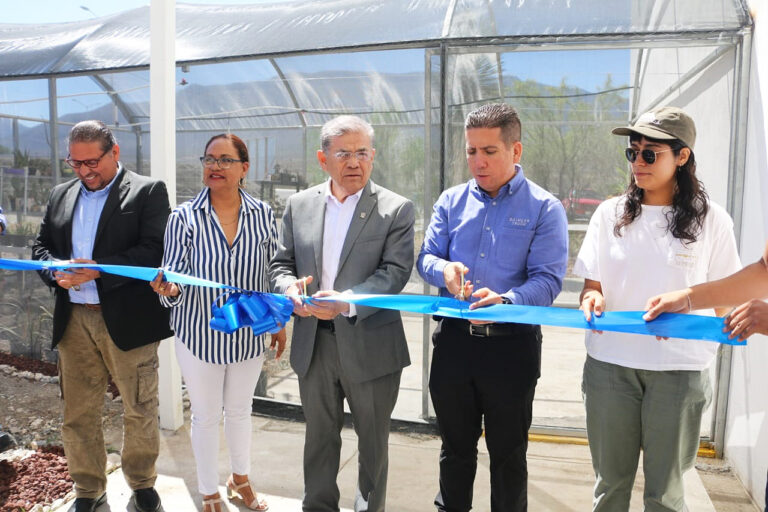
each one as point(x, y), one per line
point(560, 479)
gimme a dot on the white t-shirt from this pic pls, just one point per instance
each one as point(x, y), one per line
point(645, 261)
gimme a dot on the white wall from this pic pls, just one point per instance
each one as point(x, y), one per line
point(746, 442)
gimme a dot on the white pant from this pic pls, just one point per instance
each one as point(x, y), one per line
point(213, 388)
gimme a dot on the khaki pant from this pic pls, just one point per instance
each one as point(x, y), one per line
point(87, 355)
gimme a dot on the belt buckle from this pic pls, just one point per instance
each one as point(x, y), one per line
point(480, 330)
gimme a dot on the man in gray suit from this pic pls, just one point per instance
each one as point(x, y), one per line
point(346, 235)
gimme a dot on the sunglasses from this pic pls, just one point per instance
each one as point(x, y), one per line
point(648, 155)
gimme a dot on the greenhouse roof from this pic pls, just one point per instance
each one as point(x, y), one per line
point(212, 33)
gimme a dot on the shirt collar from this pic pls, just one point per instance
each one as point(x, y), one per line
point(95, 194)
point(330, 197)
point(508, 188)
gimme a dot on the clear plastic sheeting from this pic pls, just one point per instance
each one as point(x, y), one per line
point(213, 32)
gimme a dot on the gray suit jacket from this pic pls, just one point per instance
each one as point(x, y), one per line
point(377, 257)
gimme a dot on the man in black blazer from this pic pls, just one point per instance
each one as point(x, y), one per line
point(105, 325)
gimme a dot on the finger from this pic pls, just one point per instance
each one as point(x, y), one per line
point(280, 348)
point(586, 307)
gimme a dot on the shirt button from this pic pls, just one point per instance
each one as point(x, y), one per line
point(487, 228)
point(477, 281)
point(482, 255)
point(493, 203)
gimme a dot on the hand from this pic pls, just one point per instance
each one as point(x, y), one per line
point(327, 310)
point(452, 273)
point(164, 288)
point(486, 297)
point(278, 341)
point(294, 292)
point(677, 301)
point(592, 301)
point(748, 319)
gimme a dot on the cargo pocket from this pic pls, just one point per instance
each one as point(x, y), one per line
point(147, 381)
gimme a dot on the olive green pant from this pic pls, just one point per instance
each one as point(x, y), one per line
point(658, 412)
point(87, 356)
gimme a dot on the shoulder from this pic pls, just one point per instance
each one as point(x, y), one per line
point(63, 188)
point(256, 205)
point(387, 197)
point(454, 196)
point(141, 183)
point(718, 218)
point(308, 194)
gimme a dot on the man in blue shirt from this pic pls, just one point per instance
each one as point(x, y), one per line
point(499, 238)
point(106, 325)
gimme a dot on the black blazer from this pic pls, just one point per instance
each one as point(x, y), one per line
point(130, 232)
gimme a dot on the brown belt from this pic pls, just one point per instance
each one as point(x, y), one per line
point(92, 307)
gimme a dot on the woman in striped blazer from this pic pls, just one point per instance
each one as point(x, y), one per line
point(224, 235)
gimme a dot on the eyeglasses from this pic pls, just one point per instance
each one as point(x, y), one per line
point(224, 162)
point(91, 164)
point(648, 155)
point(362, 156)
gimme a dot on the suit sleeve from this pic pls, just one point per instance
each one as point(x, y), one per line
point(42, 248)
point(148, 249)
point(396, 262)
point(282, 268)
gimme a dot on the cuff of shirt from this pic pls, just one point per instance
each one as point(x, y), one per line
point(438, 274)
point(352, 309)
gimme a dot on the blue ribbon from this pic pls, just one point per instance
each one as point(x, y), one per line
point(268, 312)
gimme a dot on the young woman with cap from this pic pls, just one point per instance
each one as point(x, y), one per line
point(641, 393)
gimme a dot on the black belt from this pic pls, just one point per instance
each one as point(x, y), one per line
point(488, 330)
point(326, 324)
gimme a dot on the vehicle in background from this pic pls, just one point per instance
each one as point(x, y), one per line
point(581, 204)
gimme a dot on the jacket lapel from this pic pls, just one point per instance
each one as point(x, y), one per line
point(70, 200)
point(116, 195)
point(359, 219)
point(317, 228)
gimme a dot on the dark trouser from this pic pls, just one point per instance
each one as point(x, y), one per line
point(323, 390)
point(493, 378)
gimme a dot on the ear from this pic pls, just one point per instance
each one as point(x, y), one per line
point(246, 165)
point(116, 152)
point(517, 151)
point(322, 158)
point(683, 157)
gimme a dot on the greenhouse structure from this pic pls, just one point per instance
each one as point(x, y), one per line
point(274, 73)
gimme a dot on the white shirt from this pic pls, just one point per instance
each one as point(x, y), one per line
point(645, 261)
point(338, 217)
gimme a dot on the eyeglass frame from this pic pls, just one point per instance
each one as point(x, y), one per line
point(643, 153)
point(219, 161)
point(71, 161)
point(361, 156)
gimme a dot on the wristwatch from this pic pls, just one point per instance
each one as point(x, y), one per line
point(506, 300)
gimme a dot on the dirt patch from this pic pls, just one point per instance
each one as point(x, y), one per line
point(37, 478)
point(31, 411)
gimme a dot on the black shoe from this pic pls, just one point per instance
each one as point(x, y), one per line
point(88, 504)
point(146, 500)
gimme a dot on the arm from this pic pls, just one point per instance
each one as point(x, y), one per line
point(433, 264)
point(547, 260)
point(748, 283)
point(282, 267)
point(177, 243)
point(41, 249)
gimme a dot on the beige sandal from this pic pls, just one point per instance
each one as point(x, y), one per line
point(209, 505)
point(233, 491)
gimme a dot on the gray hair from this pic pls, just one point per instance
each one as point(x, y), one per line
point(496, 115)
point(342, 125)
point(92, 131)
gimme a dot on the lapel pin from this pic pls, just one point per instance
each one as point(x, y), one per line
point(362, 215)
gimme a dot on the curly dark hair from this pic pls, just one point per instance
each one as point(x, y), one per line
point(690, 203)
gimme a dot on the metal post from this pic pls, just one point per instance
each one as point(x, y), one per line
point(53, 116)
point(162, 114)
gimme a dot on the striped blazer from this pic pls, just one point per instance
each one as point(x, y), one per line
point(195, 244)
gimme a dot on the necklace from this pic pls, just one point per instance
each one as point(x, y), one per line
point(228, 223)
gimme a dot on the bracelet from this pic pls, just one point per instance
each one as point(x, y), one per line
point(690, 306)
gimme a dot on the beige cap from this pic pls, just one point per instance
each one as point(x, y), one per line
point(664, 123)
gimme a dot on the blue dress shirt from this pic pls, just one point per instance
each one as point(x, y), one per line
point(85, 222)
point(516, 243)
